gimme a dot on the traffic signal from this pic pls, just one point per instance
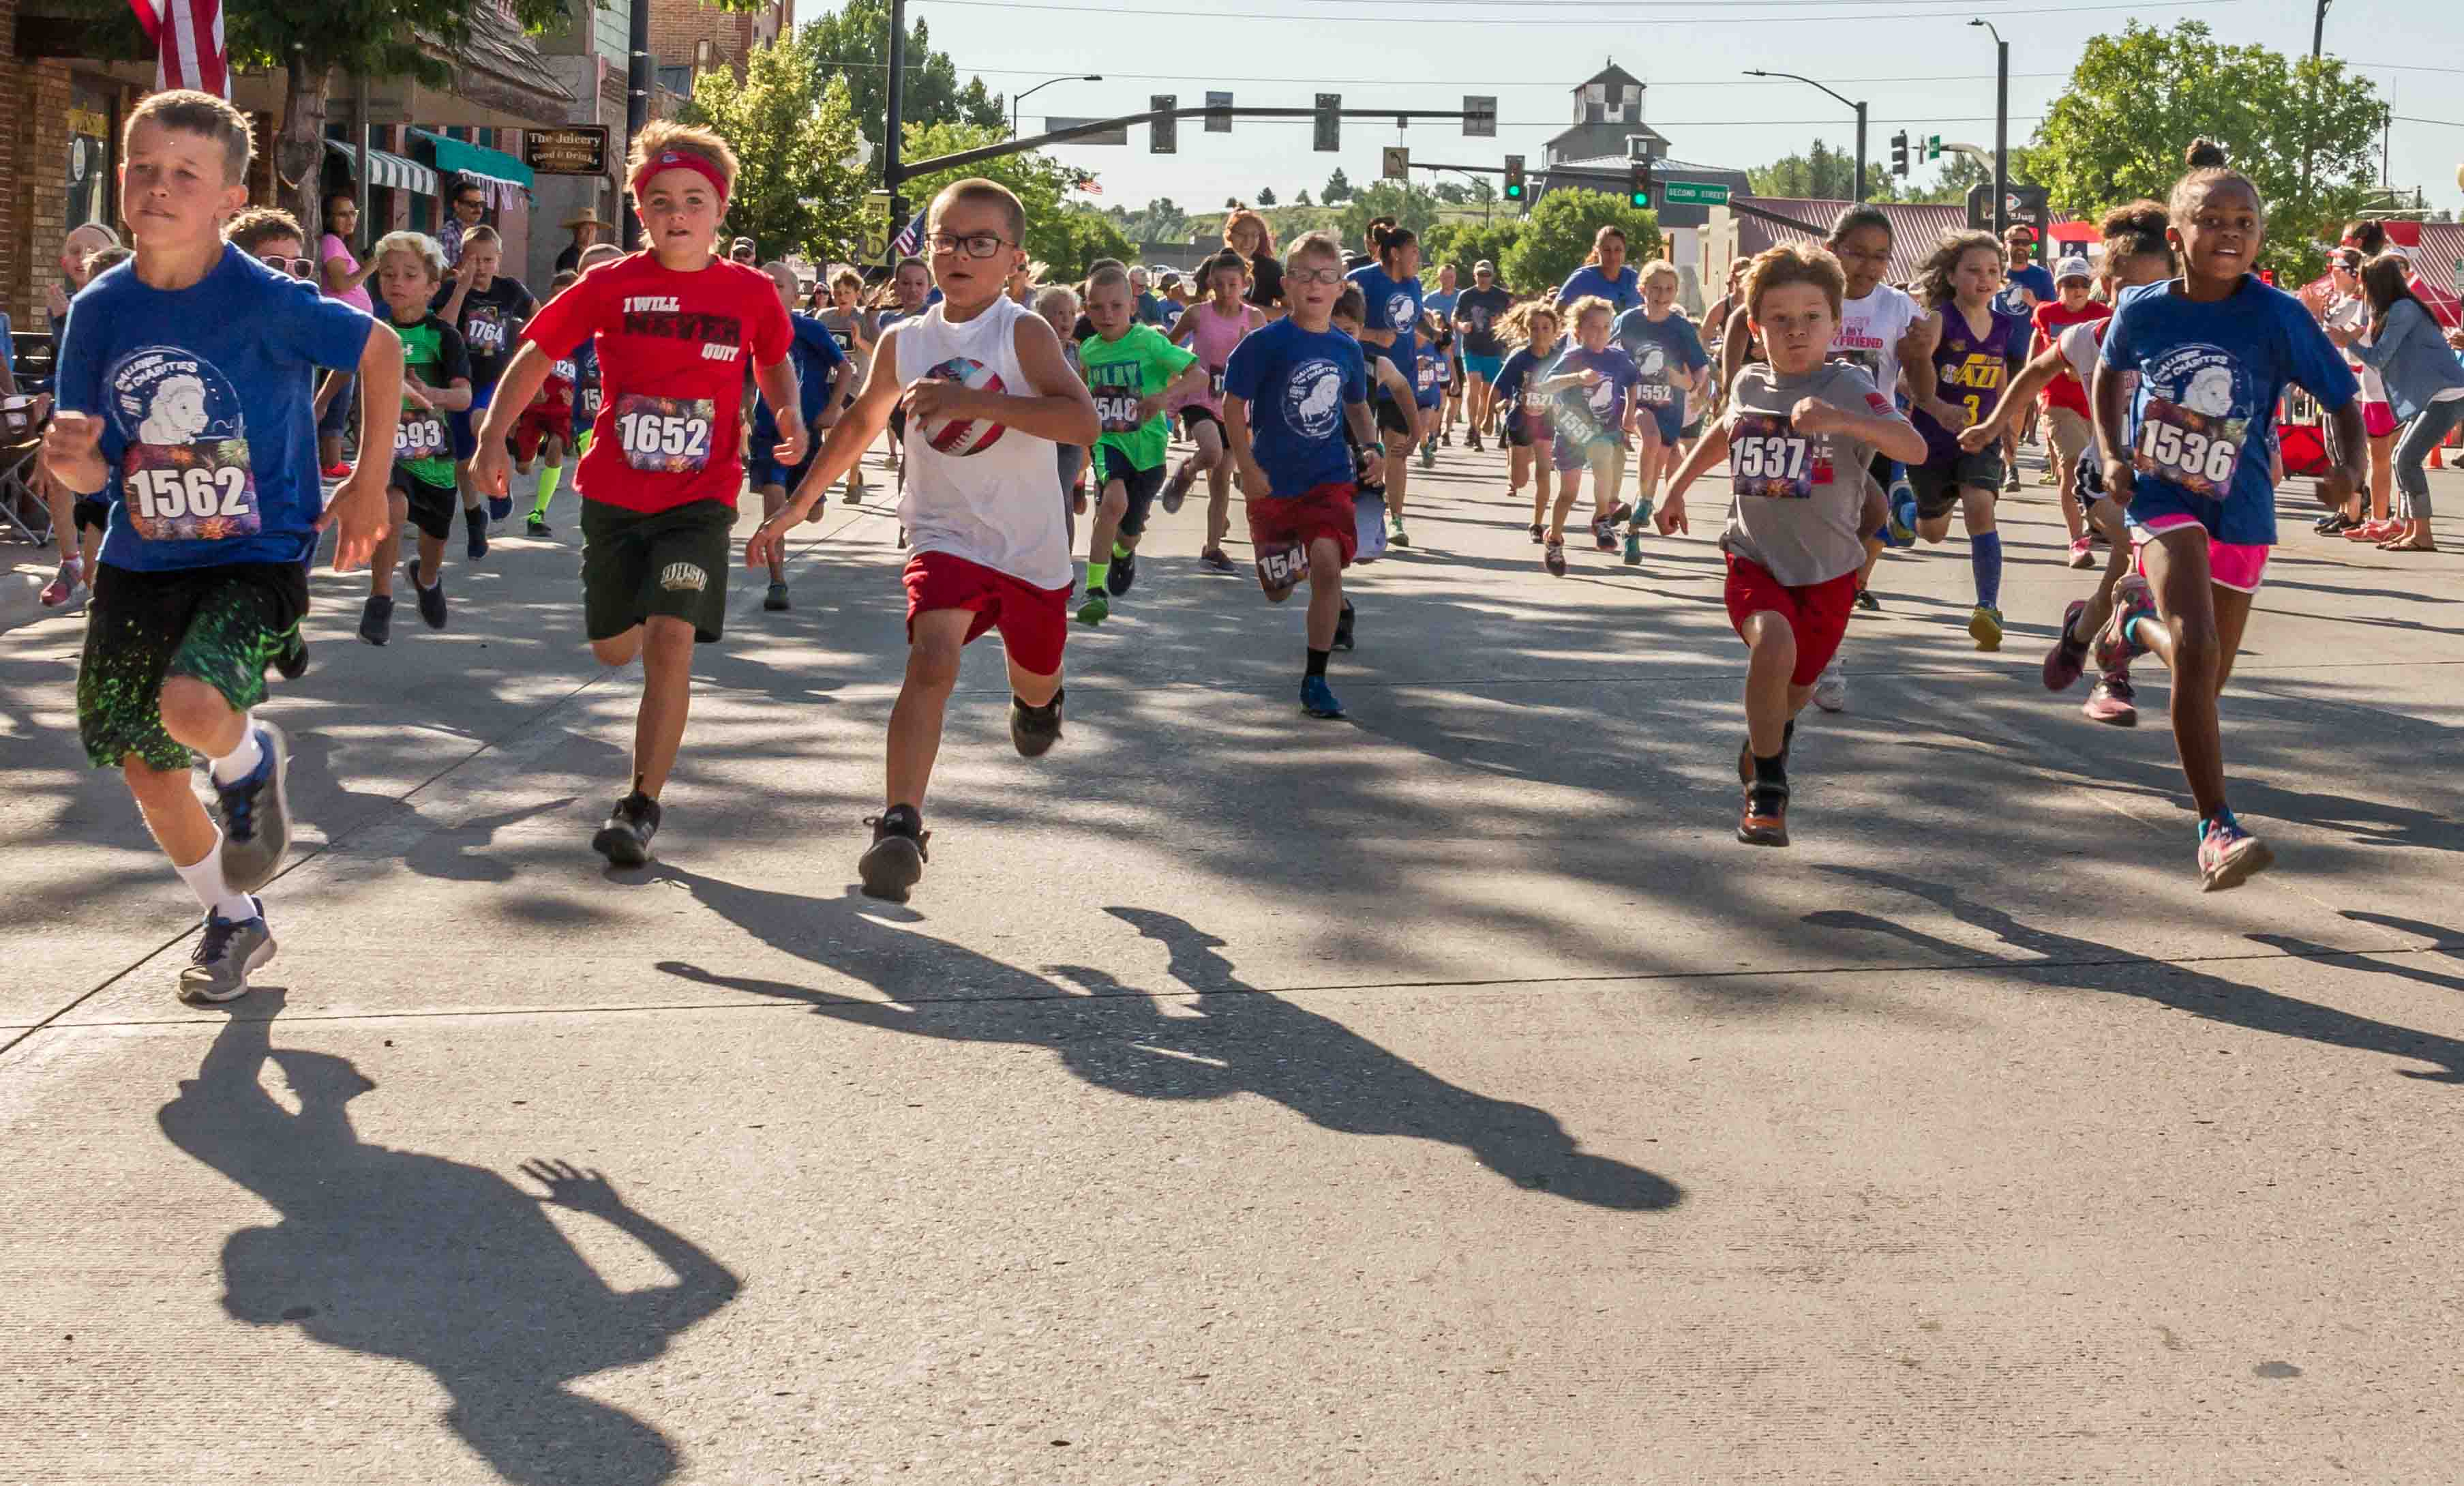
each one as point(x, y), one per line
point(1515, 177)
point(1163, 131)
point(1933, 146)
point(1638, 182)
point(1900, 153)
point(1329, 121)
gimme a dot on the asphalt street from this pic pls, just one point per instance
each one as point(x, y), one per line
point(1436, 1096)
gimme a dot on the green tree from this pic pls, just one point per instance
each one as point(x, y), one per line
point(1338, 188)
point(1073, 241)
point(854, 42)
point(1556, 236)
point(1302, 200)
point(1463, 244)
point(792, 127)
point(1411, 206)
point(1265, 195)
point(2306, 133)
point(1037, 179)
point(1159, 221)
point(1453, 193)
point(308, 43)
point(1822, 172)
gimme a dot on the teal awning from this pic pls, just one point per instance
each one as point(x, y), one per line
point(463, 157)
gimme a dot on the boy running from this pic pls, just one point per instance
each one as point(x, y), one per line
point(674, 327)
point(488, 309)
point(1133, 371)
point(186, 374)
point(435, 384)
point(544, 435)
point(988, 396)
point(1289, 393)
point(1801, 434)
point(821, 382)
point(1478, 313)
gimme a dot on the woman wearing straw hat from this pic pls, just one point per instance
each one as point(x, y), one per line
point(586, 228)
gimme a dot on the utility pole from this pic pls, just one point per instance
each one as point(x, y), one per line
point(2001, 127)
point(637, 102)
point(1861, 154)
point(894, 104)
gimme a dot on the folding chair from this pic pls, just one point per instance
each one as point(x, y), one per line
point(25, 515)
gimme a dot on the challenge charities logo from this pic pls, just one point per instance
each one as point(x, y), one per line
point(1314, 399)
point(964, 437)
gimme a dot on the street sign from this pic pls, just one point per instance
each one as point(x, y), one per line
point(2028, 204)
point(1480, 117)
point(580, 149)
point(1054, 124)
point(1219, 123)
point(1693, 193)
point(874, 229)
point(1398, 163)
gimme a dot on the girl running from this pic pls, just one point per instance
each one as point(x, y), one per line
point(1676, 373)
point(2425, 386)
point(1878, 331)
point(1212, 327)
point(1531, 328)
point(1963, 335)
point(1246, 233)
point(1592, 385)
point(2186, 447)
point(1604, 275)
point(1390, 289)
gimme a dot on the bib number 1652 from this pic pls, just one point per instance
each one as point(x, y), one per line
point(664, 436)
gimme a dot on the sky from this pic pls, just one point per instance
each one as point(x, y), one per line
point(1917, 64)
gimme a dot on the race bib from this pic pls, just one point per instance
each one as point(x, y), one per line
point(665, 435)
point(1767, 458)
point(485, 333)
point(587, 399)
point(190, 492)
point(1428, 375)
point(2192, 450)
point(1118, 410)
point(420, 436)
point(1652, 394)
point(1281, 568)
point(566, 371)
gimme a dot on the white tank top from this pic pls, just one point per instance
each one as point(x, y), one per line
point(981, 491)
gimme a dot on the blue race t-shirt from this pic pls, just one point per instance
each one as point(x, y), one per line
point(1442, 303)
point(1589, 414)
point(1393, 304)
point(1666, 353)
point(1428, 375)
point(2204, 412)
point(1297, 384)
point(1512, 391)
point(817, 357)
point(585, 385)
point(2010, 300)
point(204, 394)
point(1623, 292)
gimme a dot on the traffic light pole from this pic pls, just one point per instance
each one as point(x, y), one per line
point(898, 173)
point(1756, 71)
point(892, 135)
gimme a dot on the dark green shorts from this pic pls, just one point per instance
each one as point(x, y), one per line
point(671, 562)
point(222, 626)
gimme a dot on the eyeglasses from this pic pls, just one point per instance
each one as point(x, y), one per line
point(297, 268)
point(472, 202)
point(978, 245)
point(1314, 275)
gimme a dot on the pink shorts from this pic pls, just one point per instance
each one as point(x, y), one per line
point(2378, 420)
point(2238, 566)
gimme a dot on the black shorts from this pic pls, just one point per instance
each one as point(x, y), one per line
point(898, 424)
point(672, 562)
point(1518, 429)
point(1141, 486)
point(1196, 413)
point(1390, 417)
point(222, 626)
point(433, 506)
point(1938, 485)
point(92, 512)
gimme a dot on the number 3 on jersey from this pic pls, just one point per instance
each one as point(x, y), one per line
point(665, 435)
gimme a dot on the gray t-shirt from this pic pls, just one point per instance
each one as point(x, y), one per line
point(1799, 498)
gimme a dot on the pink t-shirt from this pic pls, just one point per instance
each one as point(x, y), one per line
point(331, 248)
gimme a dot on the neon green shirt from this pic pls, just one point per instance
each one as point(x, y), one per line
point(1141, 364)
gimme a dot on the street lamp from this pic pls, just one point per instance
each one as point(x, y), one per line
point(2001, 128)
point(1045, 83)
point(1756, 71)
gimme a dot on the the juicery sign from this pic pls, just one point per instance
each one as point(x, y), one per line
point(580, 149)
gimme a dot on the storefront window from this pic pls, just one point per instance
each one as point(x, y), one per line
point(89, 157)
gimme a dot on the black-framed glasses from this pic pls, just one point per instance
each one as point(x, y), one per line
point(978, 245)
point(474, 203)
point(1314, 275)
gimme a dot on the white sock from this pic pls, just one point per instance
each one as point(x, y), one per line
point(242, 761)
point(205, 878)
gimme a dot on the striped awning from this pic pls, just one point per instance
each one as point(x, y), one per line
point(391, 171)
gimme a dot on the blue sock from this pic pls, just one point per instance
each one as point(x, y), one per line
point(1903, 504)
point(1985, 555)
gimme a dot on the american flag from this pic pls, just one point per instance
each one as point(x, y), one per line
point(1090, 186)
point(188, 37)
point(910, 239)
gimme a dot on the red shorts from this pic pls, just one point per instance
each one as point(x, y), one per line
point(1818, 611)
point(539, 421)
point(1033, 622)
point(1277, 524)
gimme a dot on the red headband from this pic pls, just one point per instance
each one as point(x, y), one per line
point(679, 159)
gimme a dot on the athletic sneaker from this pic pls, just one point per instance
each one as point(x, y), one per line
point(1604, 534)
point(2083, 553)
point(2335, 523)
point(1985, 625)
point(1619, 512)
point(1176, 489)
point(227, 950)
point(1394, 536)
point(499, 507)
point(2229, 855)
point(1553, 558)
point(1428, 456)
point(337, 470)
point(2011, 480)
point(1317, 698)
point(774, 598)
point(1901, 532)
point(895, 859)
point(535, 527)
point(1539, 534)
point(292, 663)
point(1034, 730)
point(1124, 575)
point(1343, 628)
point(626, 839)
point(1763, 821)
point(256, 815)
point(432, 600)
point(855, 492)
point(1214, 561)
point(1866, 601)
point(1472, 441)
point(2068, 657)
point(1097, 608)
point(1632, 548)
point(476, 529)
point(2112, 701)
point(1447, 438)
point(1831, 689)
point(376, 618)
point(2117, 643)
point(65, 585)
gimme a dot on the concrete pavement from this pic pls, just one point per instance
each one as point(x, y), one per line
point(1436, 1096)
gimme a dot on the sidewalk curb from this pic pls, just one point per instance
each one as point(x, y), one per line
point(21, 598)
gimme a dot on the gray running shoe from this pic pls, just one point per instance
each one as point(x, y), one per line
point(256, 816)
point(217, 968)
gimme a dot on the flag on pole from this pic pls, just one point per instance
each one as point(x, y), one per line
point(1090, 186)
point(188, 37)
point(912, 238)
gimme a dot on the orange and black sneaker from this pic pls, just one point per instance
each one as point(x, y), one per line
point(1765, 821)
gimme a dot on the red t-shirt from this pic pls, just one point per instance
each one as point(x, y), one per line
point(673, 353)
point(2052, 318)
